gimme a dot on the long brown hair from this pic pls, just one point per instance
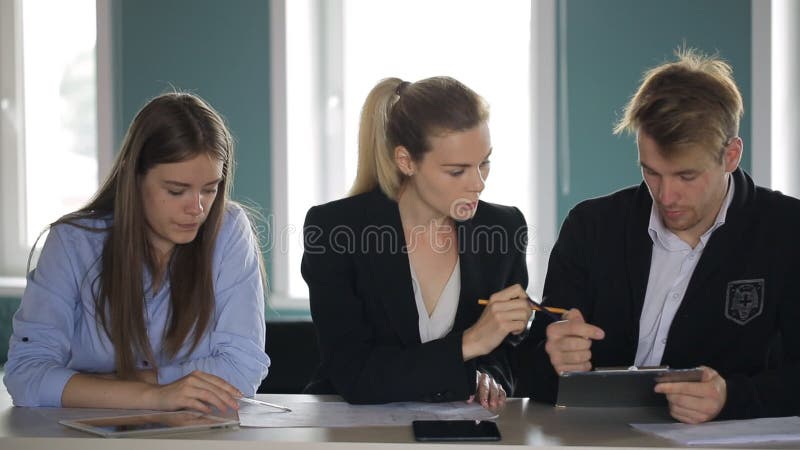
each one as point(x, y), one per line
point(397, 112)
point(172, 127)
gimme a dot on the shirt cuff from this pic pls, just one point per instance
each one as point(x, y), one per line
point(168, 374)
point(52, 386)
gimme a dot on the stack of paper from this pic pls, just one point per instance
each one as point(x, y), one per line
point(770, 429)
point(341, 414)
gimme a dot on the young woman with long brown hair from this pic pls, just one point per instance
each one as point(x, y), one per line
point(151, 296)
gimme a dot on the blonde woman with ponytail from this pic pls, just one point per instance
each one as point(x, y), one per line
point(151, 296)
point(395, 270)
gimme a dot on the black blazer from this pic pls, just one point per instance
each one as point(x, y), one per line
point(362, 301)
point(741, 299)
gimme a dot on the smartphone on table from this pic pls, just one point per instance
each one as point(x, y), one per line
point(455, 430)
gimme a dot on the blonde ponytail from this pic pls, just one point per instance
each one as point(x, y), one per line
point(376, 166)
point(399, 113)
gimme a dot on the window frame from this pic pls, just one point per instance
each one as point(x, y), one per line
point(12, 163)
point(14, 251)
point(543, 107)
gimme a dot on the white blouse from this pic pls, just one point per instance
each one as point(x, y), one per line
point(440, 322)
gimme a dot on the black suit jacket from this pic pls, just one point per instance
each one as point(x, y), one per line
point(362, 301)
point(741, 299)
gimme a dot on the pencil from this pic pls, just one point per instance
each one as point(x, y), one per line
point(263, 403)
point(534, 306)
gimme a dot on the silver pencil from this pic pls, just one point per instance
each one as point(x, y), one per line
point(253, 401)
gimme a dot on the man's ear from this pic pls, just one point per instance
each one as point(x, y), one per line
point(733, 154)
point(404, 161)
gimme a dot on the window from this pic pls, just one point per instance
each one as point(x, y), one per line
point(781, 127)
point(48, 120)
point(328, 54)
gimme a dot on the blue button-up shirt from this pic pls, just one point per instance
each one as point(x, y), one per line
point(56, 334)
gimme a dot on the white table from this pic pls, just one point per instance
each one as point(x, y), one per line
point(522, 423)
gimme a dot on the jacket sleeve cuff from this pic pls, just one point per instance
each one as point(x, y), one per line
point(470, 367)
point(739, 403)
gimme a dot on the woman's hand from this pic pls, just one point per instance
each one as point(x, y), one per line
point(507, 312)
point(198, 391)
point(489, 393)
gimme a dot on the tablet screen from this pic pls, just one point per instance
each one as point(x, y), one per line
point(151, 423)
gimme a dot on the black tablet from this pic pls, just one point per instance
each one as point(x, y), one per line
point(614, 386)
point(455, 430)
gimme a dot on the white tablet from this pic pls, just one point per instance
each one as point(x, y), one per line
point(150, 423)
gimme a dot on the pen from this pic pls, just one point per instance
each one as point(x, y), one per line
point(253, 401)
point(553, 312)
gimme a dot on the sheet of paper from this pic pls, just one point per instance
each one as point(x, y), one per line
point(342, 414)
point(770, 429)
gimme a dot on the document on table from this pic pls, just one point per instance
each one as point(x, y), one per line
point(342, 414)
point(770, 429)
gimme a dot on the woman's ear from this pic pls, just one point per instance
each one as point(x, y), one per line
point(403, 160)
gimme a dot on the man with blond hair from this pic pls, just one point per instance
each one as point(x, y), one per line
point(693, 267)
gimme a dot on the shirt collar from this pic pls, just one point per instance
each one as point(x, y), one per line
point(662, 235)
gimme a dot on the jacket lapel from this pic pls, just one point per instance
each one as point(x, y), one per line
point(384, 242)
point(723, 244)
point(471, 278)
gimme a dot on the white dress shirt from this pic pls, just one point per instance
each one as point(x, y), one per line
point(441, 320)
point(671, 267)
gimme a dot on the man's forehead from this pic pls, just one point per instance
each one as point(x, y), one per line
point(684, 159)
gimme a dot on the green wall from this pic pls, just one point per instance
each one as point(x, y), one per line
point(608, 44)
point(8, 306)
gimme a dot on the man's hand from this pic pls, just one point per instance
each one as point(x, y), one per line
point(569, 342)
point(696, 402)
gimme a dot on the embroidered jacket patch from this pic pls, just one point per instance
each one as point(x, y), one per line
point(744, 300)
